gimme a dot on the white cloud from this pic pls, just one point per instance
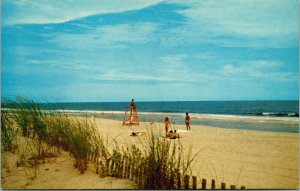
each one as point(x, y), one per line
point(173, 68)
point(243, 17)
point(172, 63)
point(176, 67)
point(59, 11)
point(258, 69)
point(238, 23)
point(57, 64)
point(118, 75)
point(110, 36)
point(169, 68)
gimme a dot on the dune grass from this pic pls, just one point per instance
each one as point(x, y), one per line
point(8, 134)
point(156, 165)
point(77, 136)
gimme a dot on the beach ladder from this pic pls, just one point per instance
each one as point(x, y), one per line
point(131, 116)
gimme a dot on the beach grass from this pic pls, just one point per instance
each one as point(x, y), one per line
point(8, 134)
point(78, 136)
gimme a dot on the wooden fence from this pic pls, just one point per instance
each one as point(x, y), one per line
point(123, 169)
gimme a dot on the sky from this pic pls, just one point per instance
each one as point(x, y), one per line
point(154, 50)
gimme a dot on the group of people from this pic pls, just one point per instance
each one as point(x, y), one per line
point(171, 134)
point(187, 123)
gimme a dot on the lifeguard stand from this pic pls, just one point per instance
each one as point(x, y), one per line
point(131, 116)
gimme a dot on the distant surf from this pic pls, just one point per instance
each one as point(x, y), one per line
point(279, 114)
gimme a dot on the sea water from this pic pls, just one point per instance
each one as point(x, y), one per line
point(280, 116)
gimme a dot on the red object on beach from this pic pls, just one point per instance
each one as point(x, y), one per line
point(131, 116)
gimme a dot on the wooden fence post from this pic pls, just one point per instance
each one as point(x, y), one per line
point(186, 182)
point(90, 156)
point(120, 172)
point(127, 168)
point(179, 181)
point(124, 167)
point(172, 181)
point(112, 167)
point(203, 184)
point(107, 163)
point(128, 171)
point(100, 167)
point(121, 167)
point(116, 167)
point(93, 156)
point(132, 173)
point(139, 176)
point(213, 184)
point(194, 182)
point(142, 176)
point(223, 186)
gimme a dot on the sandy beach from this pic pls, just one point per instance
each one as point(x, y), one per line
point(255, 159)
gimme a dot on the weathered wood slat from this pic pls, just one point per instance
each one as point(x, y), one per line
point(194, 182)
point(186, 181)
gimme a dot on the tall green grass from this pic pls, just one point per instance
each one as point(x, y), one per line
point(30, 116)
point(8, 134)
point(84, 139)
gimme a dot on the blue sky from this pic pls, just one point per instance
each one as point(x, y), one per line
point(156, 50)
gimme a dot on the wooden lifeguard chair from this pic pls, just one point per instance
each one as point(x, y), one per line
point(131, 116)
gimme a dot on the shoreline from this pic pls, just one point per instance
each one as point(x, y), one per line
point(197, 115)
point(255, 123)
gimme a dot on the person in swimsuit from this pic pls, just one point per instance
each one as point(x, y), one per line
point(132, 103)
point(167, 125)
point(187, 121)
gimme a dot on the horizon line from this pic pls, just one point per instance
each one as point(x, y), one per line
point(250, 100)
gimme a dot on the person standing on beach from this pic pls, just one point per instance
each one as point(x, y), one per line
point(132, 103)
point(132, 106)
point(167, 125)
point(187, 121)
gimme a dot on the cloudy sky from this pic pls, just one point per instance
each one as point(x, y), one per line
point(154, 50)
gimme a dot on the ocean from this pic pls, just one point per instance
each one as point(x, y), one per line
point(278, 116)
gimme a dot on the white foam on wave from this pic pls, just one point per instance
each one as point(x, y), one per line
point(91, 111)
point(120, 112)
point(246, 118)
